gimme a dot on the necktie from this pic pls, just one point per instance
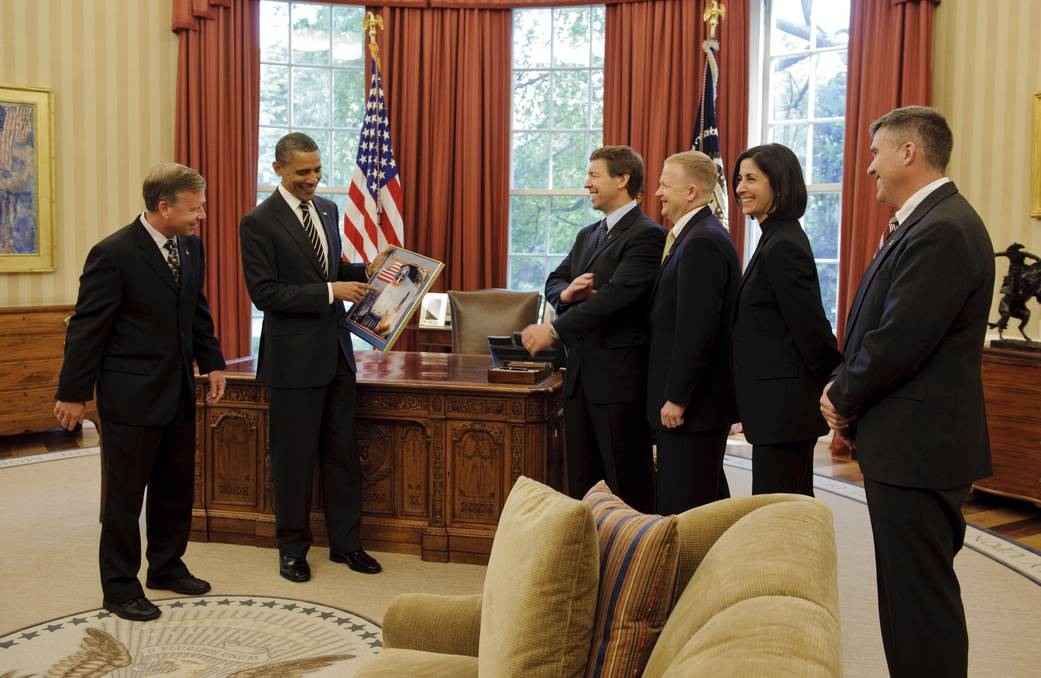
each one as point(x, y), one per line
point(312, 235)
point(601, 233)
point(890, 229)
point(173, 259)
point(670, 240)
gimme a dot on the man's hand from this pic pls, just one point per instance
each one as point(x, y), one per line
point(836, 422)
point(579, 289)
point(217, 385)
point(672, 414)
point(351, 291)
point(537, 338)
point(372, 267)
point(69, 415)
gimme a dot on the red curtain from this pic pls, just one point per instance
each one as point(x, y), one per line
point(653, 70)
point(447, 80)
point(890, 65)
point(218, 103)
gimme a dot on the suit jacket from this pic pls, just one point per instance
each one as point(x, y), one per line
point(914, 345)
point(302, 331)
point(784, 349)
point(135, 331)
point(606, 334)
point(692, 304)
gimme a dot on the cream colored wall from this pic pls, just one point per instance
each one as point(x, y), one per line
point(112, 67)
point(985, 73)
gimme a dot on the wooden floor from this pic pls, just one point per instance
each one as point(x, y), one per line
point(1018, 520)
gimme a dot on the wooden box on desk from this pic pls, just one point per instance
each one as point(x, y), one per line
point(1012, 390)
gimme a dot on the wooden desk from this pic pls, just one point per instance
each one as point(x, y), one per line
point(440, 449)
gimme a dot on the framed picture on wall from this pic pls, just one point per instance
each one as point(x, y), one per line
point(1035, 174)
point(26, 180)
point(401, 282)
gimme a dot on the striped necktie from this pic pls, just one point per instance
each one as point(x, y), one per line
point(173, 259)
point(312, 235)
point(890, 229)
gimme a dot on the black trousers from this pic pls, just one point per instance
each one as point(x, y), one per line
point(690, 469)
point(917, 533)
point(609, 442)
point(309, 426)
point(783, 467)
point(161, 458)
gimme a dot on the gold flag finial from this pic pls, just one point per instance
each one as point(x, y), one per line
point(714, 13)
point(370, 25)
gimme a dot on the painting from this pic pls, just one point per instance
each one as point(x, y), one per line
point(1035, 174)
point(26, 181)
point(401, 281)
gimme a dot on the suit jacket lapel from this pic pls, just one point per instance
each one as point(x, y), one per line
point(612, 235)
point(763, 239)
point(287, 220)
point(153, 257)
point(693, 224)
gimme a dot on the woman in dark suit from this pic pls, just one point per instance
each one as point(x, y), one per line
point(784, 348)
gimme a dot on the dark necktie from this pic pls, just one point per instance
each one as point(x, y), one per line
point(886, 234)
point(601, 233)
point(312, 235)
point(173, 259)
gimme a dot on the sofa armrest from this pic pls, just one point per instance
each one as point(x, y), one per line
point(431, 623)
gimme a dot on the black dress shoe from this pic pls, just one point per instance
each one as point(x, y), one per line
point(359, 561)
point(294, 569)
point(186, 585)
point(138, 609)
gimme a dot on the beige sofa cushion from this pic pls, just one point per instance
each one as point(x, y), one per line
point(762, 554)
point(637, 576)
point(540, 588)
point(395, 663)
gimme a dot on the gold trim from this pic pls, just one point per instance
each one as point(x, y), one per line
point(43, 127)
point(1035, 186)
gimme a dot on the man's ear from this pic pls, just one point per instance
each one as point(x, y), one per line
point(623, 181)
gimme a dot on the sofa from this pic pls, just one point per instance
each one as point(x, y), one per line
point(755, 594)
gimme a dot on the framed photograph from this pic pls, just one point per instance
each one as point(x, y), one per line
point(1035, 174)
point(26, 180)
point(434, 310)
point(400, 284)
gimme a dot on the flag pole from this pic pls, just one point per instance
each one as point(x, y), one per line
point(714, 13)
point(370, 24)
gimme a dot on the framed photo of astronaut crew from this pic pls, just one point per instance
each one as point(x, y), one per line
point(401, 281)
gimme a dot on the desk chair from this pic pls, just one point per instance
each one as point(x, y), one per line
point(483, 313)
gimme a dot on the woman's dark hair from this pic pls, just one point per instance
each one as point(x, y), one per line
point(784, 173)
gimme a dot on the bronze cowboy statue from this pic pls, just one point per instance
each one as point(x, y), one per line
point(1020, 283)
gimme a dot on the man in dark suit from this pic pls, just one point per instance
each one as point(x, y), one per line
point(141, 319)
point(291, 261)
point(600, 291)
point(690, 382)
point(909, 395)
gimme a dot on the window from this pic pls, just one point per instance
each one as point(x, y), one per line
point(312, 80)
point(558, 84)
point(805, 107)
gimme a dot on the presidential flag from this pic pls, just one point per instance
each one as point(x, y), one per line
point(372, 215)
point(706, 133)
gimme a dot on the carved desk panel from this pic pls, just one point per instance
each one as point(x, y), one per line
point(440, 449)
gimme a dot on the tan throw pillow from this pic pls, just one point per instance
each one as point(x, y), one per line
point(638, 563)
point(540, 587)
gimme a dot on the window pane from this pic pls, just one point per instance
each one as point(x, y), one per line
point(274, 95)
point(269, 136)
point(527, 273)
point(349, 98)
point(310, 97)
point(821, 223)
point(310, 34)
point(569, 215)
point(829, 277)
point(570, 159)
point(597, 89)
point(274, 31)
point(794, 137)
point(530, 151)
point(531, 99)
point(340, 199)
point(829, 85)
point(789, 85)
point(827, 153)
point(832, 23)
point(531, 38)
point(348, 39)
point(571, 37)
point(598, 32)
point(791, 32)
point(339, 168)
point(528, 217)
point(571, 99)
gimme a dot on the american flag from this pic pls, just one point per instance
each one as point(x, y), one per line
point(387, 273)
point(372, 215)
point(706, 133)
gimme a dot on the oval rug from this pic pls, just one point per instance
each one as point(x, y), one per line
point(200, 637)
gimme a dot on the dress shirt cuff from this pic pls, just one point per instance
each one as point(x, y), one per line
point(331, 297)
point(553, 332)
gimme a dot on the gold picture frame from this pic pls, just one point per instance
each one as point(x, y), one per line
point(26, 180)
point(1035, 174)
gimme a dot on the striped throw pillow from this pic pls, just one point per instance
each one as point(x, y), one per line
point(638, 563)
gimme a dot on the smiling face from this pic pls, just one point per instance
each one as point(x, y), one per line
point(888, 167)
point(300, 176)
point(182, 216)
point(754, 191)
point(606, 193)
point(676, 191)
